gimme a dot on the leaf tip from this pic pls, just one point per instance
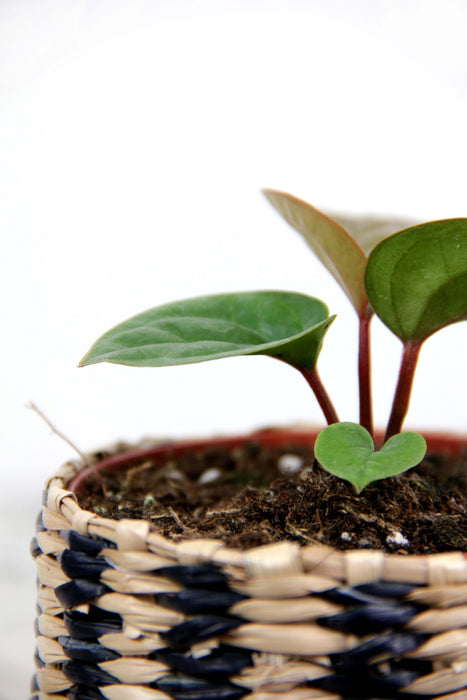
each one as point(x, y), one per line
point(269, 193)
point(86, 360)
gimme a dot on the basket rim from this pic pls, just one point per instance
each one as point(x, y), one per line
point(354, 566)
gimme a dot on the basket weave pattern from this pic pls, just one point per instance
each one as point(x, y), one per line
point(126, 614)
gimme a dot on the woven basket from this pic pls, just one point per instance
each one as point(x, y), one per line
point(127, 614)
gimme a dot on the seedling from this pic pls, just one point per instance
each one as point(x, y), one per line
point(414, 280)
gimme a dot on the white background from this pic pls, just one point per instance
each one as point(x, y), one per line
point(135, 137)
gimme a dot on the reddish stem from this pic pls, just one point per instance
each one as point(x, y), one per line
point(321, 394)
point(364, 372)
point(400, 404)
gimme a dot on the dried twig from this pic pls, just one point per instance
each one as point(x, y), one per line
point(69, 442)
point(179, 522)
point(63, 437)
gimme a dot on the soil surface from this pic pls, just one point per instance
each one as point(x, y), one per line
point(252, 495)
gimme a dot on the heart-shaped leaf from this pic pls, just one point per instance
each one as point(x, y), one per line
point(331, 243)
point(285, 325)
point(347, 451)
point(417, 279)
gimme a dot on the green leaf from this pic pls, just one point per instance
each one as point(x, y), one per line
point(417, 279)
point(331, 243)
point(347, 451)
point(284, 325)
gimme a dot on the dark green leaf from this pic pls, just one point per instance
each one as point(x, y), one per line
point(417, 279)
point(347, 451)
point(284, 325)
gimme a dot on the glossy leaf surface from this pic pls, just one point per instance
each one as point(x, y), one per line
point(331, 243)
point(347, 451)
point(417, 279)
point(284, 325)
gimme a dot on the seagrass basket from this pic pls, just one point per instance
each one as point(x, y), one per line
point(127, 614)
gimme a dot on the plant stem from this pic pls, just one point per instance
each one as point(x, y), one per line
point(321, 394)
point(364, 372)
point(400, 404)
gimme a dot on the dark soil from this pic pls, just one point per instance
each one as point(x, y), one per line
point(244, 496)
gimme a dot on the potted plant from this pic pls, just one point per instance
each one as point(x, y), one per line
point(279, 564)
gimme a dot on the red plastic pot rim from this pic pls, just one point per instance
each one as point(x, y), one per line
point(437, 443)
